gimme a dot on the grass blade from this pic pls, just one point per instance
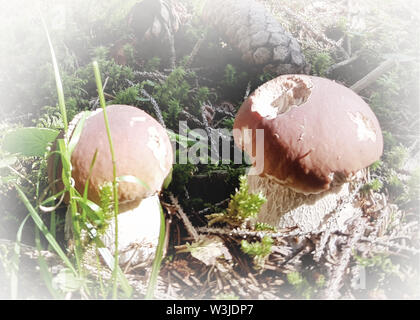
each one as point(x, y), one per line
point(75, 136)
point(15, 262)
point(59, 85)
point(114, 171)
point(40, 224)
point(158, 259)
point(46, 275)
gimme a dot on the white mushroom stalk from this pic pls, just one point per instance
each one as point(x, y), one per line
point(318, 136)
point(138, 233)
point(286, 208)
point(143, 160)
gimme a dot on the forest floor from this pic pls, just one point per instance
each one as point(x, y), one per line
point(370, 46)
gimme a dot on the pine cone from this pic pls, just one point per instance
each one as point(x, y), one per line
point(248, 26)
point(154, 18)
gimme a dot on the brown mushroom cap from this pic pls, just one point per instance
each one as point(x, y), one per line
point(142, 149)
point(315, 131)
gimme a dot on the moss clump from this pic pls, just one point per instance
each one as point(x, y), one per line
point(242, 208)
point(259, 251)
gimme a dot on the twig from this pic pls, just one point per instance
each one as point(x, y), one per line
point(155, 75)
point(213, 144)
point(206, 210)
point(155, 106)
point(189, 116)
point(319, 249)
point(326, 234)
point(191, 230)
point(344, 63)
point(318, 34)
point(294, 254)
point(241, 233)
point(373, 75)
point(109, 96)
point(381, 221)
point(335, 282)
point(390, 245)
point(184, 280)
point(195, 50)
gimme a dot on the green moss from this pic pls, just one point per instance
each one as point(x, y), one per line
point(116, 74)
point(242, 208)
point(375, 185)
point(227, 296)
point(129, 96)
point(261, 226)
point(181, 174)
point(376, 165)
point(230, 76)
point(321, 62)
point(259, 250)
point(414, 185)
point(397, 156)
point(152, 64)
point(300, 284)
point(202, 95)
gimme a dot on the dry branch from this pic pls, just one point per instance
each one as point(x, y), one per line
point(372, 76)
point(190, 228)
point(155, 106)
point(316, 33)
point(344, 63)
point(336, 279)
point(195, 51)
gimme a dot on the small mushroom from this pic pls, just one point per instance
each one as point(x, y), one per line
point(318, 135)
point(142, 150)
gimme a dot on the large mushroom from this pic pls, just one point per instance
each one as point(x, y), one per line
point(318, 135)
point(142, 150)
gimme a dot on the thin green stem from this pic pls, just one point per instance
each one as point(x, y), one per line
point(65, 156)
point(158, 259)
point(114, 171)
point(60, 91)
point(66, 178)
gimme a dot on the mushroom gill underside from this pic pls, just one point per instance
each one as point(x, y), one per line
point(285, 208)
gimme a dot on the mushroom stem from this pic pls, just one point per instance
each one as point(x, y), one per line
point(286, 208)
point(138, 234)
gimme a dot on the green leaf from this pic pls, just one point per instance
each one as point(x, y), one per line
point(30, 142)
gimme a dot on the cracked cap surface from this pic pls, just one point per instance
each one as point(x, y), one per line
point(315, 131)
point(142, 149)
